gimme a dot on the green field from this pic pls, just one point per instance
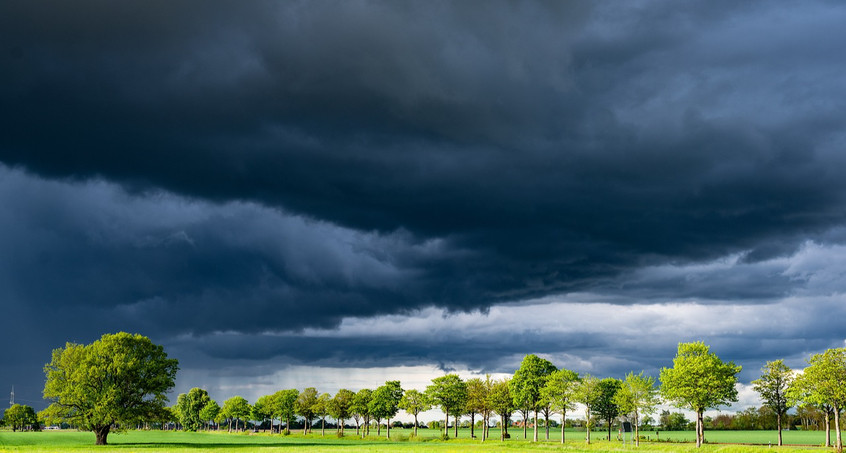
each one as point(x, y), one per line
point(159, 441)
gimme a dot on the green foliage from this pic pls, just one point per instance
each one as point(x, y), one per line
point(699, 380)
point(20, 416)
point(340, 407)
point(236, 408)
point(637, 396)
point(120, 379)
point(414, 402)
point(824, 383)
point(529, 379)
point(210, 411)
point(189, 405)
point(385, 401)
point(604, 406)
point(304, 405)
point(560, 390)
point(448, 392)
point(587, 393)
point(284, 405)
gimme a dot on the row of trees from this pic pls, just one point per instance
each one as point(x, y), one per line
point(122, 380)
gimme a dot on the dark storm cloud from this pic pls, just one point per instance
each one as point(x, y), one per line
point(273, 166)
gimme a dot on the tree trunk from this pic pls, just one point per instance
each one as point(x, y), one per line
point(563, 419)
point(535, 428)
point(587, 426)
point(456, 425)
point(472, 425)
point(446, 423)
point(839, 444)
point(378, 427)
point(609, 429)
point(778, 420)
point(102, 432)
point(636, 430)
point(388, 436)
point(827, 428)
point(415, 425)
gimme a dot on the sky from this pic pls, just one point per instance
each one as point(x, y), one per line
point(339, 193)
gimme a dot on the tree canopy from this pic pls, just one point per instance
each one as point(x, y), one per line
point(637, 395)
point(528, 381)
point(385, 402)
point(19, 416)
point(189, 406)
point(699, 380)
point(448, 392)
point(120, 379)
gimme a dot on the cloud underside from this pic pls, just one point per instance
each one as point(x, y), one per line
point(334, 182)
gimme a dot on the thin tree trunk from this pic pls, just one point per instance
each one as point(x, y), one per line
point(456, 416)
point(472, 425)
point(587, 426)
point(415, 425)
point(446, 423)
point(839, 444)
point(778, 420)
point(535, 428)
point(388, 436)
point(563, 419)
point(827, 429)
point(636, 430)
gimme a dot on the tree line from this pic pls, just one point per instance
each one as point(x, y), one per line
point(122, 380)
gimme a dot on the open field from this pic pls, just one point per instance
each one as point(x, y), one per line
point(158, 441)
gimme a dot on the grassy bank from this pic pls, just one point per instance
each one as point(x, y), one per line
point(158, 441)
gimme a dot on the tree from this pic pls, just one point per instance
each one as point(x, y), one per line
point(560, 391)
point(448, 392)
point(775, 380)
point(414, 402)
point(824, 383)
point(587, 393)
point(476, 403)
point(321, 409)
point(236, 408)
point(118, 380)
point(19, 416)
point(263, 409)
point(637, 395)
point(502, 403)
point(209, 412)
point(527, 383)
point(189, 405)
point(304, 406)
point(385, 403)
point(699, 380)
point(339, 409)
point(604, 405)
point(285, 405)
point(361, 409)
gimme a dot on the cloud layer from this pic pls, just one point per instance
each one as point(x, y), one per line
point(308, 180)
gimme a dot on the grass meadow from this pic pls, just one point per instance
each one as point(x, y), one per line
point(170, 441)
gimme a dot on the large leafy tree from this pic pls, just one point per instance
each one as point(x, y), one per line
point(413, 403)
point(385, 403)
point(587, 392)
point(699, 380)
point(560, 392)
point(824, 383)
point(189, 405)
point(119, 380)
point(502, 403)
point(19, 416)
point(775, 380)
point(604, 406)
point(339, 407)
point(262, 410)
point(527, 383)
point(304, 406)
point(637, 395)
point(448, 392)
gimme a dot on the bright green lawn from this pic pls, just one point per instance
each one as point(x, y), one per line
point(158, 441)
